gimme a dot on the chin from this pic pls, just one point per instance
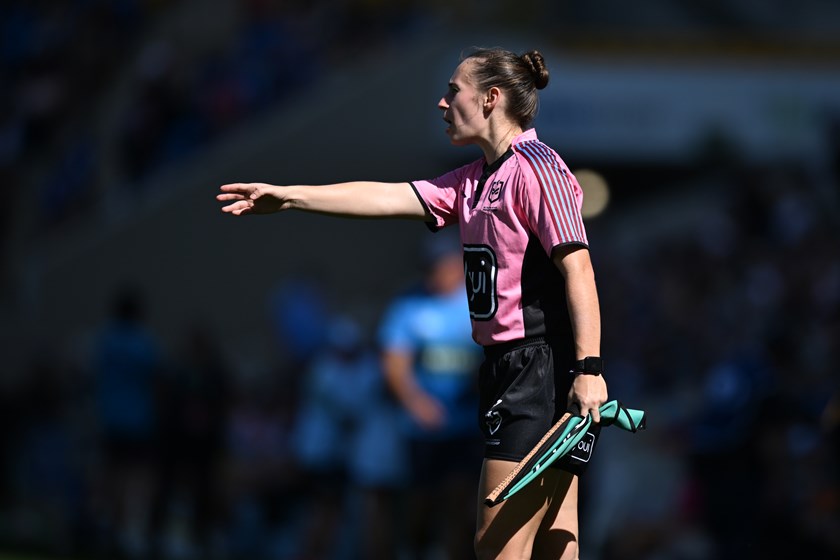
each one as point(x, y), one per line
point(457, 139)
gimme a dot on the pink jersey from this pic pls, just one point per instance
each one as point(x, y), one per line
point(512, 214)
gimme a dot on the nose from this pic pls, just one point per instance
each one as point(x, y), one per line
point(442, 104)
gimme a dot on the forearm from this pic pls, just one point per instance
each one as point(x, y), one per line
point(584, 313)
point(399, 375)
point(361, 199)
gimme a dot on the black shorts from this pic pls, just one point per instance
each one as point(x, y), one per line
point(524, 387)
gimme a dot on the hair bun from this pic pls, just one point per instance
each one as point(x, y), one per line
point(535, 63)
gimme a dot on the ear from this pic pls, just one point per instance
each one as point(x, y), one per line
point(491, 99)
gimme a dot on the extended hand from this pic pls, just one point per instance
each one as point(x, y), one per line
point(251, 198)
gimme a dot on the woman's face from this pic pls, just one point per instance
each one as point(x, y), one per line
point(463, 107)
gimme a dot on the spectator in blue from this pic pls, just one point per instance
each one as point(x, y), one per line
point(127, 369)
point(348, 447)
point(431, 364)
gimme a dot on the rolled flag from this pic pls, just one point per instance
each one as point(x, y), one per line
point(563, 436)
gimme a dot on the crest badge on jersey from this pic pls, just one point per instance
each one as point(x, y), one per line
point(495, 194)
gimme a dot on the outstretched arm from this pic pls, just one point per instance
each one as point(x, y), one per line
point(361, 199)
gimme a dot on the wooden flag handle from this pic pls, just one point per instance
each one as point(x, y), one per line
point(493, 497)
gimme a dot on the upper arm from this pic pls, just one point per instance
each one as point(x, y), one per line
point(402, 201)
point(571, 258)
point(396, 340)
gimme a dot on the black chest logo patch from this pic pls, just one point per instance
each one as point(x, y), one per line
point(480, 272)
point(496, 189)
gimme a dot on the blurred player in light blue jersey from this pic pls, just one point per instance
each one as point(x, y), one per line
point(430, 362)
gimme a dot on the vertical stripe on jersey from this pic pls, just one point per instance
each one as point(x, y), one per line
point(557, 190)
point(568, 191)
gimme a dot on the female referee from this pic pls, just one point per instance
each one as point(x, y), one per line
point(529, 279)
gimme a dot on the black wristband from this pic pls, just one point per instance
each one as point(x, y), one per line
point(590, 365)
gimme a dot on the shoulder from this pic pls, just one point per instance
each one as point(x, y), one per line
point(536, 154)
point(540, 163)
point(455, 176)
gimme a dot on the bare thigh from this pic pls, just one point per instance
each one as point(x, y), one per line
point(538, 522)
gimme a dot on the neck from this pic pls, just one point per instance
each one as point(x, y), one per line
point(499, 141)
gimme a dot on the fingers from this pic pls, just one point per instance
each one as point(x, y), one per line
point(223, 197)
point(584, 406)
point(592, 408)
point(238, 208)
point(584, 410)
point(242, 195)
point(236, 191)
point(241, 188)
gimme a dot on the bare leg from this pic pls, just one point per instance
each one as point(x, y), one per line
point(540, 520)
point(558, 535)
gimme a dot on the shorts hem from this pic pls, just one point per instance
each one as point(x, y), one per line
point(503, 457)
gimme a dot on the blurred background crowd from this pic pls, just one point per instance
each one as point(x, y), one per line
point(176, 385)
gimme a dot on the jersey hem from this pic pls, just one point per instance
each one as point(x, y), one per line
point(567, 243)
